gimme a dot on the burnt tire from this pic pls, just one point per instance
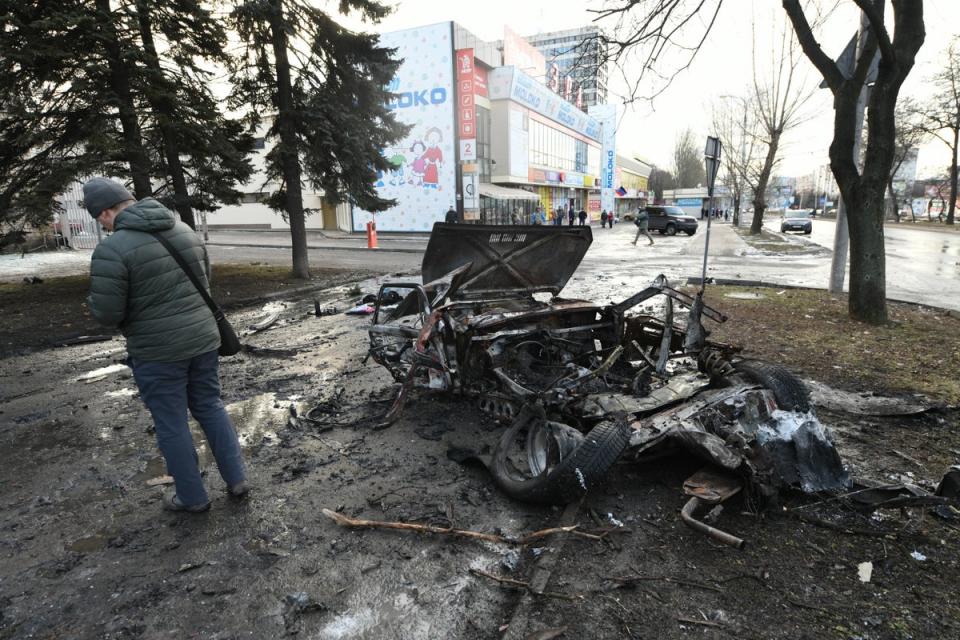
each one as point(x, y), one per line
point(790, 392)
point(584, 469)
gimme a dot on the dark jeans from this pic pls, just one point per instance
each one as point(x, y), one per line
point(169, 389)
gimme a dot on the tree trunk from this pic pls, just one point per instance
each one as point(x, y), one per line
point(868, 287)
point(163, 109)
point(952, 207)
point(289, 147)
point(893, 198)
point(760, 197)
point(120, 84)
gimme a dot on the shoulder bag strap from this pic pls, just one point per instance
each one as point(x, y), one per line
point(190, 274)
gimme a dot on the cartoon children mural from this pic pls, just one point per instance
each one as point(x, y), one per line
point(419, 165)
point(424, 168)
point(397, 160)
point(433, 157)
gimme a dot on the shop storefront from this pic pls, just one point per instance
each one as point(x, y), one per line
point(542, 144)
point(632, 180)
point(502, 205)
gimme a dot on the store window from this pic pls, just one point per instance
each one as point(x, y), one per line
point(483, 143)
point(555, 149)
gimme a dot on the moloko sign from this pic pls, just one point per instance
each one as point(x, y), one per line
point(419, 98)
point(508, 82)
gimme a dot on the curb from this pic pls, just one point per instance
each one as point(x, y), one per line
point(693, 280)
point(315, 248)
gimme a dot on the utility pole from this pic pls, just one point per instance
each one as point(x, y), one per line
point(841, 237)
point(712, 163)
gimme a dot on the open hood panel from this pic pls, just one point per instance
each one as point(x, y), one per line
point(506, 259)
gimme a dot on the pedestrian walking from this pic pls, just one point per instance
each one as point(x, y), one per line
point(583, 217)
point(558, 217)
point(537, 217)
point(451, 216)
point(603, 220)
point(643, 223)
point(172, 336)
point(571, 216)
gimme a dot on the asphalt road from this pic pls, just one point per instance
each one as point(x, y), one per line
point(922, 265)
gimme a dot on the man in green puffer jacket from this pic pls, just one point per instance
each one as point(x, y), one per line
point(172, 336)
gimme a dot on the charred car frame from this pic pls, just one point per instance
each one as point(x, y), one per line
point(583, 383)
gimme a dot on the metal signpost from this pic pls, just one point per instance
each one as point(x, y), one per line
point(711, 157)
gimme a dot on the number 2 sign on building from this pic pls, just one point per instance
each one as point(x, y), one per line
point(466, 109)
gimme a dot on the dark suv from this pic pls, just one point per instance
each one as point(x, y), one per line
point(669, 220)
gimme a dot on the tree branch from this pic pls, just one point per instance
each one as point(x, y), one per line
point(875, 18)
point(827, 67)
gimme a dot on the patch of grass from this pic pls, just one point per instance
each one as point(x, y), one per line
point(810, 332)
point(770, 242)
point(43, 314)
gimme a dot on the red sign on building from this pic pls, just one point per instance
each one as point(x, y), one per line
point(466, 111)
point(479, 80)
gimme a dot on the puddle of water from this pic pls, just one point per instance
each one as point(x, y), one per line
point(99, 374)
point(89, 544)
point(257, 418)
point(155, 468)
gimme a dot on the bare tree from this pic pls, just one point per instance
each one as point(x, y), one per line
point(653, 28)
point(863, 192)
point(941, 115)
point(772, 106)
point(659, 180)
point(910, 134)
point(652, 41)
point(737, 132)
point(778, 97)
point(687, 161)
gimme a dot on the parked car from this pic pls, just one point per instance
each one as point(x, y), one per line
point(582, 382)
point(797, 221)
point(669, 220)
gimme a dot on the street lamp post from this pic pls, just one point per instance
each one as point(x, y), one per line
point(711, 157)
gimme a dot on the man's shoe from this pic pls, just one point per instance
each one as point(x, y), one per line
point(239, 490)
point(172, 503)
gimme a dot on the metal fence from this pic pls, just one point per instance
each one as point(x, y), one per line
point(74, 227)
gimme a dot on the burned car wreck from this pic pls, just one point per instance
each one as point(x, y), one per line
point(584, 384)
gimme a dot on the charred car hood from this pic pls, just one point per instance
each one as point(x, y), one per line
point(505, 259)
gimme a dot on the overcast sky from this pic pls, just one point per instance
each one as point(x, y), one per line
point(723, 67)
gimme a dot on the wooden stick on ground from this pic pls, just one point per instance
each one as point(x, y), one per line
point(357, 523)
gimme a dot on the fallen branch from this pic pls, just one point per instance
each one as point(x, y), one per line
point(525, 586)
point(356, 523)
point(903, 456)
